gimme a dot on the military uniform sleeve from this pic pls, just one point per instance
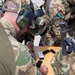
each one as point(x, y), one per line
point(2, 70)
point(24, 62)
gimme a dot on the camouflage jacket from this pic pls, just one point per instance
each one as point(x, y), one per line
point(25, 65)
point(52, 7)
point(62, 65)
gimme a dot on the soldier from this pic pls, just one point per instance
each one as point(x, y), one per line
point(64, 9)
point(55, 11)
point(25, 65)
point(38, 25)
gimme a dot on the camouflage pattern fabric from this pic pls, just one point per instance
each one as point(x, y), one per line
point(52, 7)
point(70, 18)
point(56, 6)
point(18, 4)
point(63, 65)
point(25, 65)
point(7, 67)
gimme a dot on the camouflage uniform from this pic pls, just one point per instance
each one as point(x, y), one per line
point(52, 7)
point(25, 64)
point(61, 64)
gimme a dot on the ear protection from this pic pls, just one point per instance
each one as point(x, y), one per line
point(27, 14)
point(24, 18)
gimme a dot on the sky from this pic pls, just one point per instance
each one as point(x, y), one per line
point(38, 2)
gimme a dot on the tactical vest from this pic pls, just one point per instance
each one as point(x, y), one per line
point(7, 58)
